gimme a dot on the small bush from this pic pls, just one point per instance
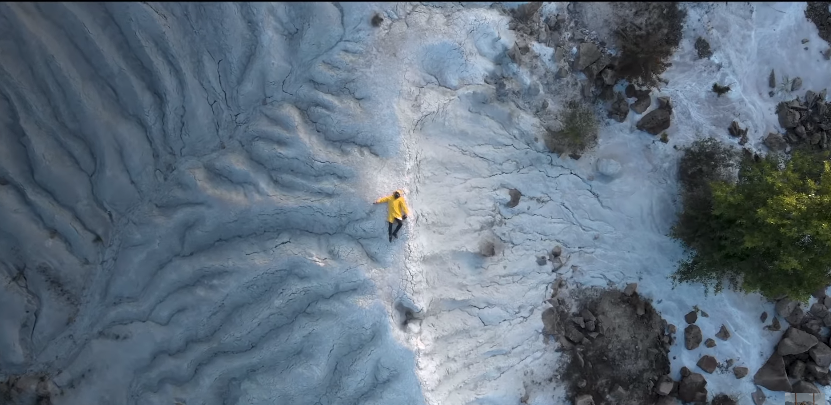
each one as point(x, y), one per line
point(579, 130)
point(768, 232)
point(647, 39)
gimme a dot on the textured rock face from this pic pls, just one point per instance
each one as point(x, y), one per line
point(158, 163)
point(772, 375)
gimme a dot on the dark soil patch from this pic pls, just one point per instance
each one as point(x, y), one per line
point(630, 350)
point(647, 34)
point(817, 12)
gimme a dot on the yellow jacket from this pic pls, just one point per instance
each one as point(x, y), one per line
point(395, 207)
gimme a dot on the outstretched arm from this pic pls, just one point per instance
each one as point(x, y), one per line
point(383, 199)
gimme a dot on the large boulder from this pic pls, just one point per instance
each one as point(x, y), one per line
point(691, 317)
point(775, 142)
point(772, 375)
point(655, 121)
point(795, 342)
point(723, 333)
point(641, 104)
point(785, 306)
point(821, 354)
point(788, 118)
point(692, 337)
point(692, 388)
point(740, 372)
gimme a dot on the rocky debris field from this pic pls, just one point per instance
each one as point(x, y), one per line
point(807, 122)
point(803, 356)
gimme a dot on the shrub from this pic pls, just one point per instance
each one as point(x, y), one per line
point(646, 39)
point(769, 232)
point(579, 131)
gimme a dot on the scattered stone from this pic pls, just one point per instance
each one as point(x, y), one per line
point(515, 196)
point(573, 334)
point(630, 289)
point(672, 329)
point(774, 325)
point(692, 337)
point(821, 354)
point(764, 317)
point(588, 53)
point(758, 396)
point(377, 20)
point(804, 387)
point(693, 388)
point(656, 121)
point(795, 342)
point(740, 372)
point(805, 40)
point(557, 251)
point(736, 131)
point(729, 363)
point(691, 317)
point(772, 79)
point(579, 321)
point(685, 371)
point(608, 167)
point(796, 84)
point(609, 77)
point(707, 363)
point(702, 47)
point(584, 400)
point(772, 375)
point(710, 343)
point(723, 333)
point(541, 261)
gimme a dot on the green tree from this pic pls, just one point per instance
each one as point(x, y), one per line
point(770, 231)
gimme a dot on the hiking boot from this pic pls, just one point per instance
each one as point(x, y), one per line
point(390, 238)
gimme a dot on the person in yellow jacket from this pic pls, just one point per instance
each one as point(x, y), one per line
point(397, 211)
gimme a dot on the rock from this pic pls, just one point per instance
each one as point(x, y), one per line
point(710, 343)
point(740, 372)
point(584, 400)
point(796, 84)
point(578, 321)
point(664, 386)
point(693, 388)
point(723, 333)
point(618, 392)
point(803, 387)
point(641, 104)
point(813, 326)
point(541, 261)
point(685, 372)
point(827, 301)
point(723, 399)
point(815, 370)
point(702, 47)
point(821, 354)
point(691, 317)
point(664, 103)
point(788, 118)
point(692, 337)
point(729, 362)
point(666, 401)
point(595, 68)
point(775, 325)
point(608, 167)
point(707, 363)
point(776, 143)
point(591, 325)
point(619, 109)
point(573, 334)
point(588, 315)
point(609, 76)
point(764, 317)
point(758, 397)
point(549, 321)
point(672, 329)
point(630, 289)
point(655, 121)
point(588, 53)
point(796, 369)
point(515, 196)
point(772, 375)
point(772, 79)
point(795, 342)
point(640, 308)
point(818, 310)
point(557, 251)
point(795, 318)
point(735, 130)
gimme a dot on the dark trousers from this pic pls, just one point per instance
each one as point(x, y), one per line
point(397, 221)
